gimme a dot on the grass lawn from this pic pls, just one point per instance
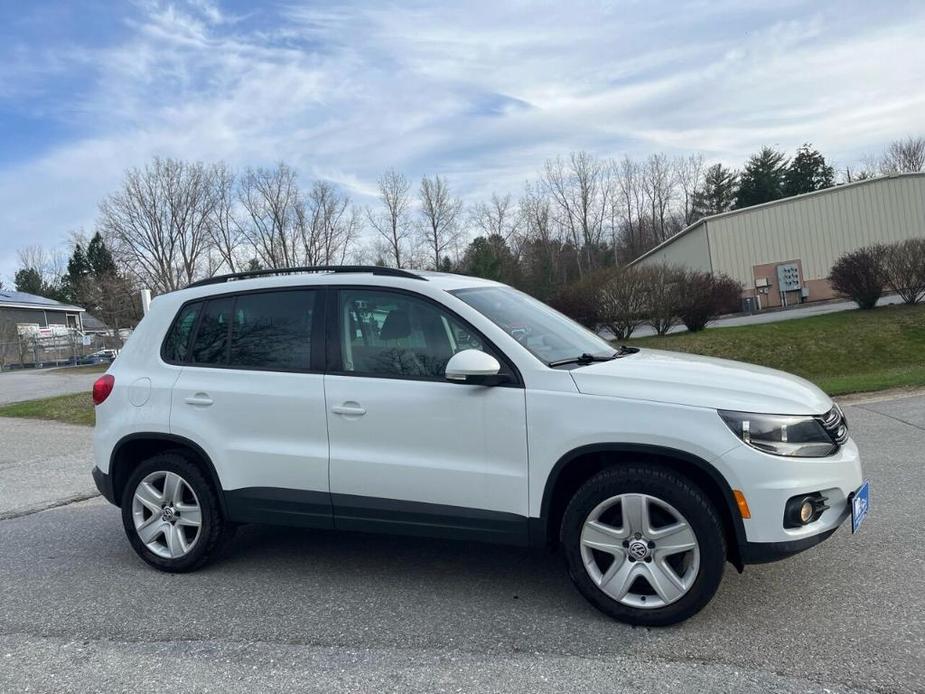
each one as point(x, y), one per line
point(845, 352)
point(76, 408)
point(77, 370)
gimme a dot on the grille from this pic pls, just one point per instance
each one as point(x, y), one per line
point(835, 424)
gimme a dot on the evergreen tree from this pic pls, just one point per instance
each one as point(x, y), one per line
point(490, 258)
point(29, 280)
point(99, 259)
point(762, 180)
point(807, 172)
point(446, 265)
point(718, 193)
point(78, 269)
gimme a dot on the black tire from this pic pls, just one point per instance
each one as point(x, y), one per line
point(679, 492)
point(214, 531)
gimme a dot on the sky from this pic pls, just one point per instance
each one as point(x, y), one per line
point(481, 92)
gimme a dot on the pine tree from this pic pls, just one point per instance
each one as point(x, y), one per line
point(78, 269)
point(762, 179)
point(807, 172)
point(718, 193)
point(30, 281)
point(99, 259)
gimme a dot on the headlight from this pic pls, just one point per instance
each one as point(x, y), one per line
point(798, 437)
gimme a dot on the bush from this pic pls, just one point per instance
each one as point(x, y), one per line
point(702, 297)
point(662, 297)
point(727, 293)
point(622, 300)
point(904, 268)
point(580, 301)
point(860, 275)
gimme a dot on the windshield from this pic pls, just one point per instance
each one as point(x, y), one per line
point(545, 332)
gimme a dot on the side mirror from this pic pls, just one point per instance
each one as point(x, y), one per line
point(475, 368)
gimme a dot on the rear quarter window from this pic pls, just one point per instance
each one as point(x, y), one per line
point(176, 344)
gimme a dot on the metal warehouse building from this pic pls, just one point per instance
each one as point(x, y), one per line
point(782, 251)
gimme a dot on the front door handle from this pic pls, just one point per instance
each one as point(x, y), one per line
point(199, 399)
point(350, 409)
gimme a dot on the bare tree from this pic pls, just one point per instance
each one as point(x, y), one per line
point(659, 186)
point(50, 265)
point(270, 200)
point(579, 189)
point(439, 214)
point(327, 223)
point(627, 205)
point(497, 217)
point(158, 223)
point(688, 174)
point(904, 156)
point(224, 227)
point(393, 223)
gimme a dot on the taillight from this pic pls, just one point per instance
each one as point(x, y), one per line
point(102, 388)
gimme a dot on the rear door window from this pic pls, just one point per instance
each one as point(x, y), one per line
point(273, 330)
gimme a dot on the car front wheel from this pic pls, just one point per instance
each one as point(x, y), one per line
point(644, 545)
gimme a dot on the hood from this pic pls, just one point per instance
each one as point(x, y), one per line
point(687, 379)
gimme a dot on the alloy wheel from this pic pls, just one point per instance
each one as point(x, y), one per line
point(166, 514)
point(640, 551)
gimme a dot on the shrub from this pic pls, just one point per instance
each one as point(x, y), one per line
point(702, 297)
point(662, 296)
point(727, 293)
point(860, 275)
point(904, 268)
point(622, 300)
point(580, 301)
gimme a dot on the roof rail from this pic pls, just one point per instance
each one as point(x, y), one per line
point(372, 269)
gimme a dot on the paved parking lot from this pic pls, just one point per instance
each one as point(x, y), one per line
point(288, 610)
point(30, 384)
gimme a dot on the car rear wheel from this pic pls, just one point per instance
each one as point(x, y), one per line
point(171, 514)
point(643, 545)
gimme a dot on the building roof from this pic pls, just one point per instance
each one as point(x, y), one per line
point(14, 299)
point(793, 198)
point(91, 322)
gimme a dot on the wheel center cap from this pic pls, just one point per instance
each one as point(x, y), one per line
point(169, 514)
point(638, 549)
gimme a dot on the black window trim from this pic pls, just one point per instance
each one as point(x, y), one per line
point(316, 359)
point(333, 351)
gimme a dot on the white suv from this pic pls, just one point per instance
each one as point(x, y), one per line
point(439, 405)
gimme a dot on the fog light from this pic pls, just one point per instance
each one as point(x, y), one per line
point(803, 510)
point(807, 509)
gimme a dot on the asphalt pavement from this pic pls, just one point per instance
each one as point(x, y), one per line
point(30, 384)
point(287, 610)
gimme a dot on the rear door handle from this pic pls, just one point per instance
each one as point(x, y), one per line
point(349, 409)
point(199, 399)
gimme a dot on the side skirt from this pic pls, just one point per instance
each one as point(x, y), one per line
point(312, 509)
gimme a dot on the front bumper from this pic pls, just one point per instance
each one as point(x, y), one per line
point(104, 484)
point(769, 481)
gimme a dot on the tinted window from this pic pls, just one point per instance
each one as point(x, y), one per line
point(273, 330)
point(177, 342)
point(211, 343)
point(398, 335)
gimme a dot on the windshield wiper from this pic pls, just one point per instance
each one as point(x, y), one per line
point(583, 359)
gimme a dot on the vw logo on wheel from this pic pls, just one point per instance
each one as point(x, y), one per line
point(638, 549)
